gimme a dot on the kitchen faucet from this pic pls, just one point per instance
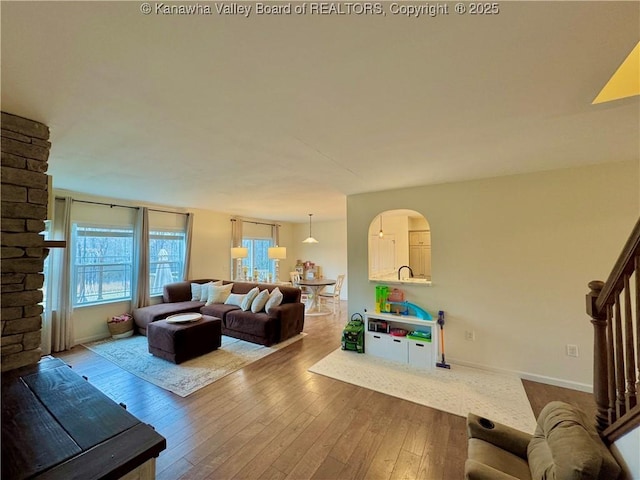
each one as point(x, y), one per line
point(410, 271)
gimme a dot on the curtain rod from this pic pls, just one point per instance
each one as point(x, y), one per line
point(120, 206)
point(255, 223)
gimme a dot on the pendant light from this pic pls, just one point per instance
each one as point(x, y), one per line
point(380, 233)
point(310, 238)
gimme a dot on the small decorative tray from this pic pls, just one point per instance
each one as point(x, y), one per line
point(184, 318)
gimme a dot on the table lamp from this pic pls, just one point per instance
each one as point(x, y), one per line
point(276, 254)
point(239, 253)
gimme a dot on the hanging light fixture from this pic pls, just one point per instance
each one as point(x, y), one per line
point(310, 238)
point(380, 233)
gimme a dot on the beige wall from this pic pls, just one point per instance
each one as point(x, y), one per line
point(330, 252)
point(512, 257)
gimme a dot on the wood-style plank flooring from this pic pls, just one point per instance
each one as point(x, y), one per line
point(275, 420)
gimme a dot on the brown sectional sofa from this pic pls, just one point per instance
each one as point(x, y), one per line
point(283, 322)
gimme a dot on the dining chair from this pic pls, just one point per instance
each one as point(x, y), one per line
point(295, 281)
point(334, 295)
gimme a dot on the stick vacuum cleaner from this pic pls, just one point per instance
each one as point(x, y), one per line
point(442, 364)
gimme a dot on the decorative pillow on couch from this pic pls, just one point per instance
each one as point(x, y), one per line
point(248, 300)
point(200, 291)
point(196, 290)
point(260, 301)
point(219, 293)
point(275, 299)
point(235, 299)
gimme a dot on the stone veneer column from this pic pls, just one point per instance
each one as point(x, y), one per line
point(25, 151)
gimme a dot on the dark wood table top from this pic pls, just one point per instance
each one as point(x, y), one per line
point(56, 425)
point(317, 282)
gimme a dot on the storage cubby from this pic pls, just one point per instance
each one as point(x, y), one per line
point(418, 353)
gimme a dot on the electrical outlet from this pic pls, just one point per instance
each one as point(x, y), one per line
point(470, 335)
point(572, 350)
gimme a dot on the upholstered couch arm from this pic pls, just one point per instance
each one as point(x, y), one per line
point(500, 435)
point(479, 471)
point(291, 317)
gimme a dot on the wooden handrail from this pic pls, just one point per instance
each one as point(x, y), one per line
point(624, 264)
point(616, 355)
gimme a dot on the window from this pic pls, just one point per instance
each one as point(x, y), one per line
point(258, 258)
point(166, 258)
point(102, 264)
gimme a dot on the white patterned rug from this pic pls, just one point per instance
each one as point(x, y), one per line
point(132, 355)
point(459, 391)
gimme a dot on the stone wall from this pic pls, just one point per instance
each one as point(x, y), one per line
point(25, 151)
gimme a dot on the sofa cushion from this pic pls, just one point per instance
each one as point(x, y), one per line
point(218, 310)
point(255, 324)
point(566, 445)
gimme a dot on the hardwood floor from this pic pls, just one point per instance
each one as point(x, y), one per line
point(275, 420)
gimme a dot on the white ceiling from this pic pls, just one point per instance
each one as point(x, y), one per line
point(279, 116)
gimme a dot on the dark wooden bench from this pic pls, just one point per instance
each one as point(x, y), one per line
point(56, 425)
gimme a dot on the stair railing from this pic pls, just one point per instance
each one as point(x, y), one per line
point(616, 379)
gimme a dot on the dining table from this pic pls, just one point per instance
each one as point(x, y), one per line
point(316, 285)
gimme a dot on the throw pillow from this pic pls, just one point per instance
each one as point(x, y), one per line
point(248, 300)
point(219, 293)
point(200, 291)
point(275, 299)
point(260, 301)
point(204, 291)
point(196, 290)
point(235, 299)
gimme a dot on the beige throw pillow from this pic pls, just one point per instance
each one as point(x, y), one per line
point(275, 299)
point(260, 301)
point(235, 299)
point(248, 300)
point(219, 293)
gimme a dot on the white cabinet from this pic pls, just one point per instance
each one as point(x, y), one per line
point(418, 353)
point(376, 344)
point(420, 261)
point(420, 237)
point(420, 253)
point(398, 351)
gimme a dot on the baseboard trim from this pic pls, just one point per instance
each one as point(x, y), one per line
point(93, 338)
point(556, 382)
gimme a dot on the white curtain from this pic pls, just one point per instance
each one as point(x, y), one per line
point(275, 235)
point(59, 310)
point(140, 297)
point(188, 231)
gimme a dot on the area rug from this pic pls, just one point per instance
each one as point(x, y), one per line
point(132, 355)
point(459, 391)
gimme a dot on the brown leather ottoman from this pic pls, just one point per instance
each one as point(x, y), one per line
point(178, 342)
